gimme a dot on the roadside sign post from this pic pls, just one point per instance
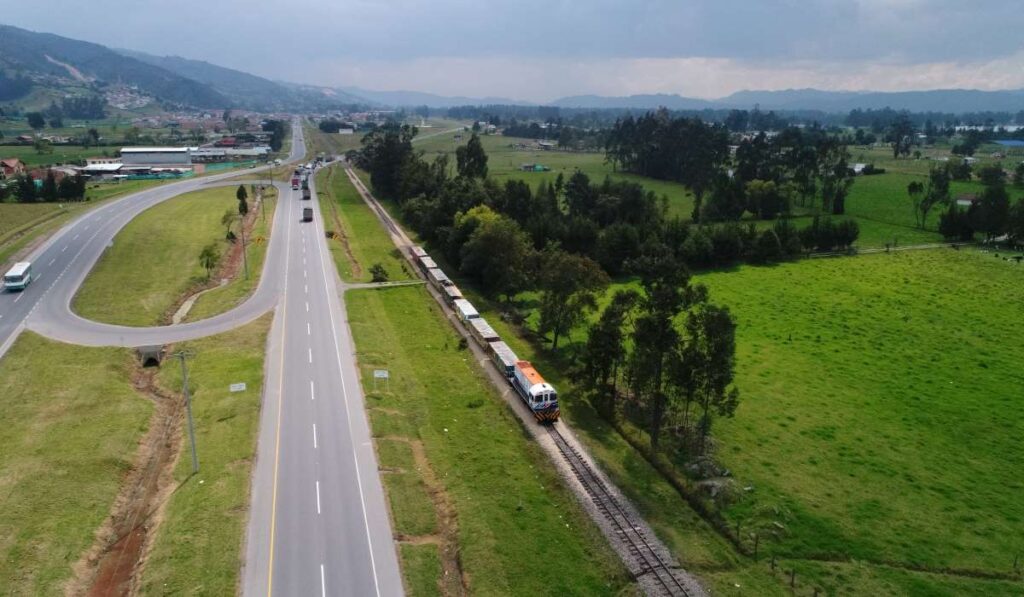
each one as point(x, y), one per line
point(382, 374)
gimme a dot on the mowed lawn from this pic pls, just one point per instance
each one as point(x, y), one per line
point(197, 549)
point(880, 416)
point(70, 423)
point(226, 297)
point(155, 259)
point(520, 531)
point(360, 241)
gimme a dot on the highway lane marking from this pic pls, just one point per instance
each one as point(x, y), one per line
point(280, 402)
point(310, 355)
point(20, 294)
point(303, 273)
point(323, 583)
point(312, 394)
point(76, 237)
point(318, 497)
point(314, 436)
point(51, 261)
point(307, 306)
point(348, 413)
point(305, 288)
point(309, 329)
point(64, 249)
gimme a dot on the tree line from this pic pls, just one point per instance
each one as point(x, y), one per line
point(278, 129)
point(767, 172)
point(561, 243)
point(991, 213)
point(663, 356)
point(24, 189)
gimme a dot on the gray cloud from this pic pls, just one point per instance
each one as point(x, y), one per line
point(550, 43)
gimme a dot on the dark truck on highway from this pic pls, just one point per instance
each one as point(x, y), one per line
point(305, 194)
point(307, 214)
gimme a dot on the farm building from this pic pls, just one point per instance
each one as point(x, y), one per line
point(11, 167)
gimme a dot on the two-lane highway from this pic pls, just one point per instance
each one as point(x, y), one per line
point(319, 525)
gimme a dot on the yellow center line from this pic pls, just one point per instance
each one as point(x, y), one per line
point(280, 399)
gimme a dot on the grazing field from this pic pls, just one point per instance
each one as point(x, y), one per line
point(867, 466)
point(504, 163)
point(14, 216)
point(70, 424)
point(155, 259)
point(445, 438)
point(60, 154)
point(879, 417)
point(359, 241)
point(319, 142)
point(197, 549)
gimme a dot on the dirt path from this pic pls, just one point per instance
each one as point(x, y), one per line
point(453, 581)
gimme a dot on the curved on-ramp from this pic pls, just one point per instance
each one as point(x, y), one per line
point(63, 262)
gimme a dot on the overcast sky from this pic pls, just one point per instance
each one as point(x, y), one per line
point(543, 49)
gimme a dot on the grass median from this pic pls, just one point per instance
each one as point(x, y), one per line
point(154, 261)
point(459, 470)
point(357, 240)
point(197, 549)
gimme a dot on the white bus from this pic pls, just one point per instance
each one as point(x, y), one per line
point(19, 276)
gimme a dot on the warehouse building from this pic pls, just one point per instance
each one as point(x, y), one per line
point(173, 157)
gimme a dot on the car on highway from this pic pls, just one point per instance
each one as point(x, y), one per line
point(307, 214)
point(19, 276)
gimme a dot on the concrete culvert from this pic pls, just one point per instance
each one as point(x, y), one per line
point(150, 356)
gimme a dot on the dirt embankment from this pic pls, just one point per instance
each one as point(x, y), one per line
point(453, 581)
point(112, 565)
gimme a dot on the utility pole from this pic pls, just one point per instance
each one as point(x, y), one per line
point(245, 259)
point(181, 356)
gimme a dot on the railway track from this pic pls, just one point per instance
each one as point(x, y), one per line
point(657, 574)
point(646, 559)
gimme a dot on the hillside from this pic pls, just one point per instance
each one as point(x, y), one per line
point(246, 90)
point(50, 61)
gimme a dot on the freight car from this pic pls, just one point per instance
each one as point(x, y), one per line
point(451, 294)
point(503, 358)
point(482, 332)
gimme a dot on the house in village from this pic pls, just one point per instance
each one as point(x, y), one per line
point(11, 167)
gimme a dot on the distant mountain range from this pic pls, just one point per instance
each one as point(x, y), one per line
point(250, 91)
point(42, 62)
point(61, 66)
point(51, 60)
point(938, 100)
point(419, 98)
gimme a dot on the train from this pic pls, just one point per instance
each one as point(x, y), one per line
point(536, 393)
